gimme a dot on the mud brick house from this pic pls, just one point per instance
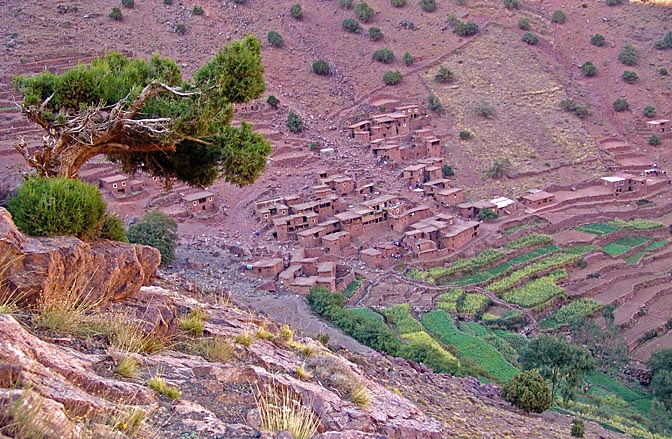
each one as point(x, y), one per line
point(449, 197)
point(471, 209)
point(269, 209)
point(360, 131)
point(424, 249)
point(412, 112)
point(324, 208)
point(372, 257)
point(386, 152)
point(311, 237)
point(383, 202)
point(503, 204)
point(321, 191)
point(365, 191)
point(460, 234)
point(340, 185)
point(405, 218)
point(623, 183)
point(287, 226)
point(414, 174)
point(268, 267)
point(202, 201)
point(660, 127)
point(119, 185)
point(537, 199)
point(351, 222)
point(246, 108)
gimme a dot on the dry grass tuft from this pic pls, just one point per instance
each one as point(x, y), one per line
point(128, 367)
point(158, 384)
point(244, 338)
point(302, 373)
point(215, 349)
point(281, 408)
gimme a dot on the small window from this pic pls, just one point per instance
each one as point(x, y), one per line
point(123, 183)
point(114, 185)
point(209, 198)
point(195, 203)
point(265, 215)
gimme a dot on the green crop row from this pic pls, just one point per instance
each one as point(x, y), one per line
point(577, 309)
point(636, 224)
point(622, 245)
point(537, 291)
point(597, 229)
point(472, 303)
point(466, 265)
point(400, 316)
point(529, 241)
point(440, 325)
point(553, 261)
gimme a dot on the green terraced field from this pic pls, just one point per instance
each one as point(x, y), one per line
point(622, 245)
point(597, 229)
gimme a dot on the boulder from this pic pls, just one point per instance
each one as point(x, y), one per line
point(49, 268)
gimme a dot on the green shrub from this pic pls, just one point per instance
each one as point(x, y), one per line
point(351, 25)
point(511, 4)
point(530, 38)
point(654, 140)
point(620, 104)
point(275, 39)
point(180, 29)
point(629, 76)
point(598, 40)
point(434, 104)
point(614, 2)
point(628, 55)
point(428, 5)
point(345, 4)
point(524, 23)
point(665, 43)
point(532, 240)
point(375, 34)
point(392, 77)
point(558, 17)
point(527, 391)
point(386, 56)
point(577, 309)
point(649, 111)
point(115, 14)
point(578, 429)
point(465, 135)
point(408, 59)
point(364, 12)
point(447, 171)
point(663, 71)
point(466, 29)
point(498, 169)
point(113, 228)
point(570, 106)
point(273, 101)
point(321, 67)
point(57, 206)
point(485, 110)
point(127, 3)
point(296, 12)
point(240, 2)
point(294, 122)
point(444, 75)
point(398, 3)
point(168, 2)
point(487, 214)
point(159, 231)
point(197, 10)
point(588, 69)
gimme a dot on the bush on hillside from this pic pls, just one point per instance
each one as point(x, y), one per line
point(444, 75)
point(628, 55)
point(294, 122)
point(588, 69)
point(273, 101)
point(392, 77)
point(127, 3)
point(487, 214)
point(527, 391)
point(275, 39)
point(578, 429)
point(375, 34)
point(296, 11)
point(629, 76)
point(345, 4)
point(58, 206)
point(649, 111)
point(598, 40)
point(428, 5)
point(654, 140)
point(115, 14)
point(157, 230)
point(398, 3)
point(408, 59)
point(197, 10)
point(570, 106)
point(530, 38)
point(614, 2)
point(447, 171)
point(663, 71)
point(666, 42)
point(113, 229)
point(321, 67)
point(467, 29)
point(558, 17)
point(621, 104)
point(386, 56)
point(485, 110)
point(434, 104)
point(511, 4)
point(364, 12)
point(524, 23)
point(351, 25)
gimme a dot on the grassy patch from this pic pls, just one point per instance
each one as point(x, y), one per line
point(282, 409)
point(538, 291)
point(634, 259)
point(351, 288)
point(514, 229)
point(622, 245)
point(159, 385)
point(550, 262)
point(655, 245)
point(597, 229)
point(529, 241)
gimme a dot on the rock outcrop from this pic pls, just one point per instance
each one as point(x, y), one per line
point(48, 269)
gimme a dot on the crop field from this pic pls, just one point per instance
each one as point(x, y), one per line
point(623, 245)
point(440, 324)
point(597, 229)
point(550, 262)
point(538, 291)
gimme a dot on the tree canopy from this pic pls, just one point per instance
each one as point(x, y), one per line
point(145, 116)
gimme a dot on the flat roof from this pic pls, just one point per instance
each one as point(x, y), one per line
point(359, 124)
point(437, 181)
point(613, 179)
point(414, 167)
point(536, 196)
point(334, 236)
point(197, 195)
point(267, 263)
point(460, 228)
point(347, 215)
point(370, 252)
point(502, 202)
point(301, 206)
point(657, 121)
point(449, 191)
point(114, 178)
point(308, 232)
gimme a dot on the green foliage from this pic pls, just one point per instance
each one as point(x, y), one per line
point(654, 140)
point(444, 75)
point(197, 10)
point(351, 25)
point(524, 23)
point(666, 42)
point(660, 361)
point(465, 135)
point(180, 29)
point(598, 40)
point(273, 101)
point(408, 59)
point(511, 4)
point(588, 69)
point(635, 224)
point(392, 77)
point(578, 429)
point(557, 360)
point(532, 240)
point(467, 29)
point(527, 391)
point(364, 12)
point(537, 291)
point(127, 3)
point(550, 262)
point(275, 39)
point(661, 384)
point(434, 103)
point(487, 214)
point(558, 17)
point(324, 302)
point(375, 34)
point(398, 3)
point(113, 228)
point(345, 4)
point(499, 169)
point(629, 76)
point(485, 110)
point(614, 2)
point(296, 12)
point(447, 171)
point(570, 106)
point(663, 71)
point(628, 55)
point(168, 2)
point(386, 56)
point(530, 38)
point(351, 288)
point(621, 104)
point(649, 111)
point(598, 229)
point(577, 309)
point(57, 206)
point(321, 67)
point(294, 122)
point(472, 304)
point(428, 5)
point(157, 230)
point(115, 14)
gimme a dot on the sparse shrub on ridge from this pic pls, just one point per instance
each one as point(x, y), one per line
point(294, 122)
point(351, 25)
point(408, 59)
point(428, 5)
point(273, 101)
point(392, 77)
point(530, 38)
point(444, 75)
point(296, 11)
point(364, 12)
point(115, 14)
point(654, 140)
point(485, 110)
point(570, 106)
point(665, 43)
point(375, 34)
point(628, 55)
point(275, 39)
point(386, 56)
point(511, 4)
point(345, 4)
point(197, 10)
point(629, 76)
point(649, 111)
point(434, 104)
point(588, 69)
point(527, 391)
point(127, 3)
point(620, 104)
point(524, 23)
point(558, 17)
point(467, 29)
point(398, 3)
point(321, 67)
point(663, 71)
point(598, 40)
